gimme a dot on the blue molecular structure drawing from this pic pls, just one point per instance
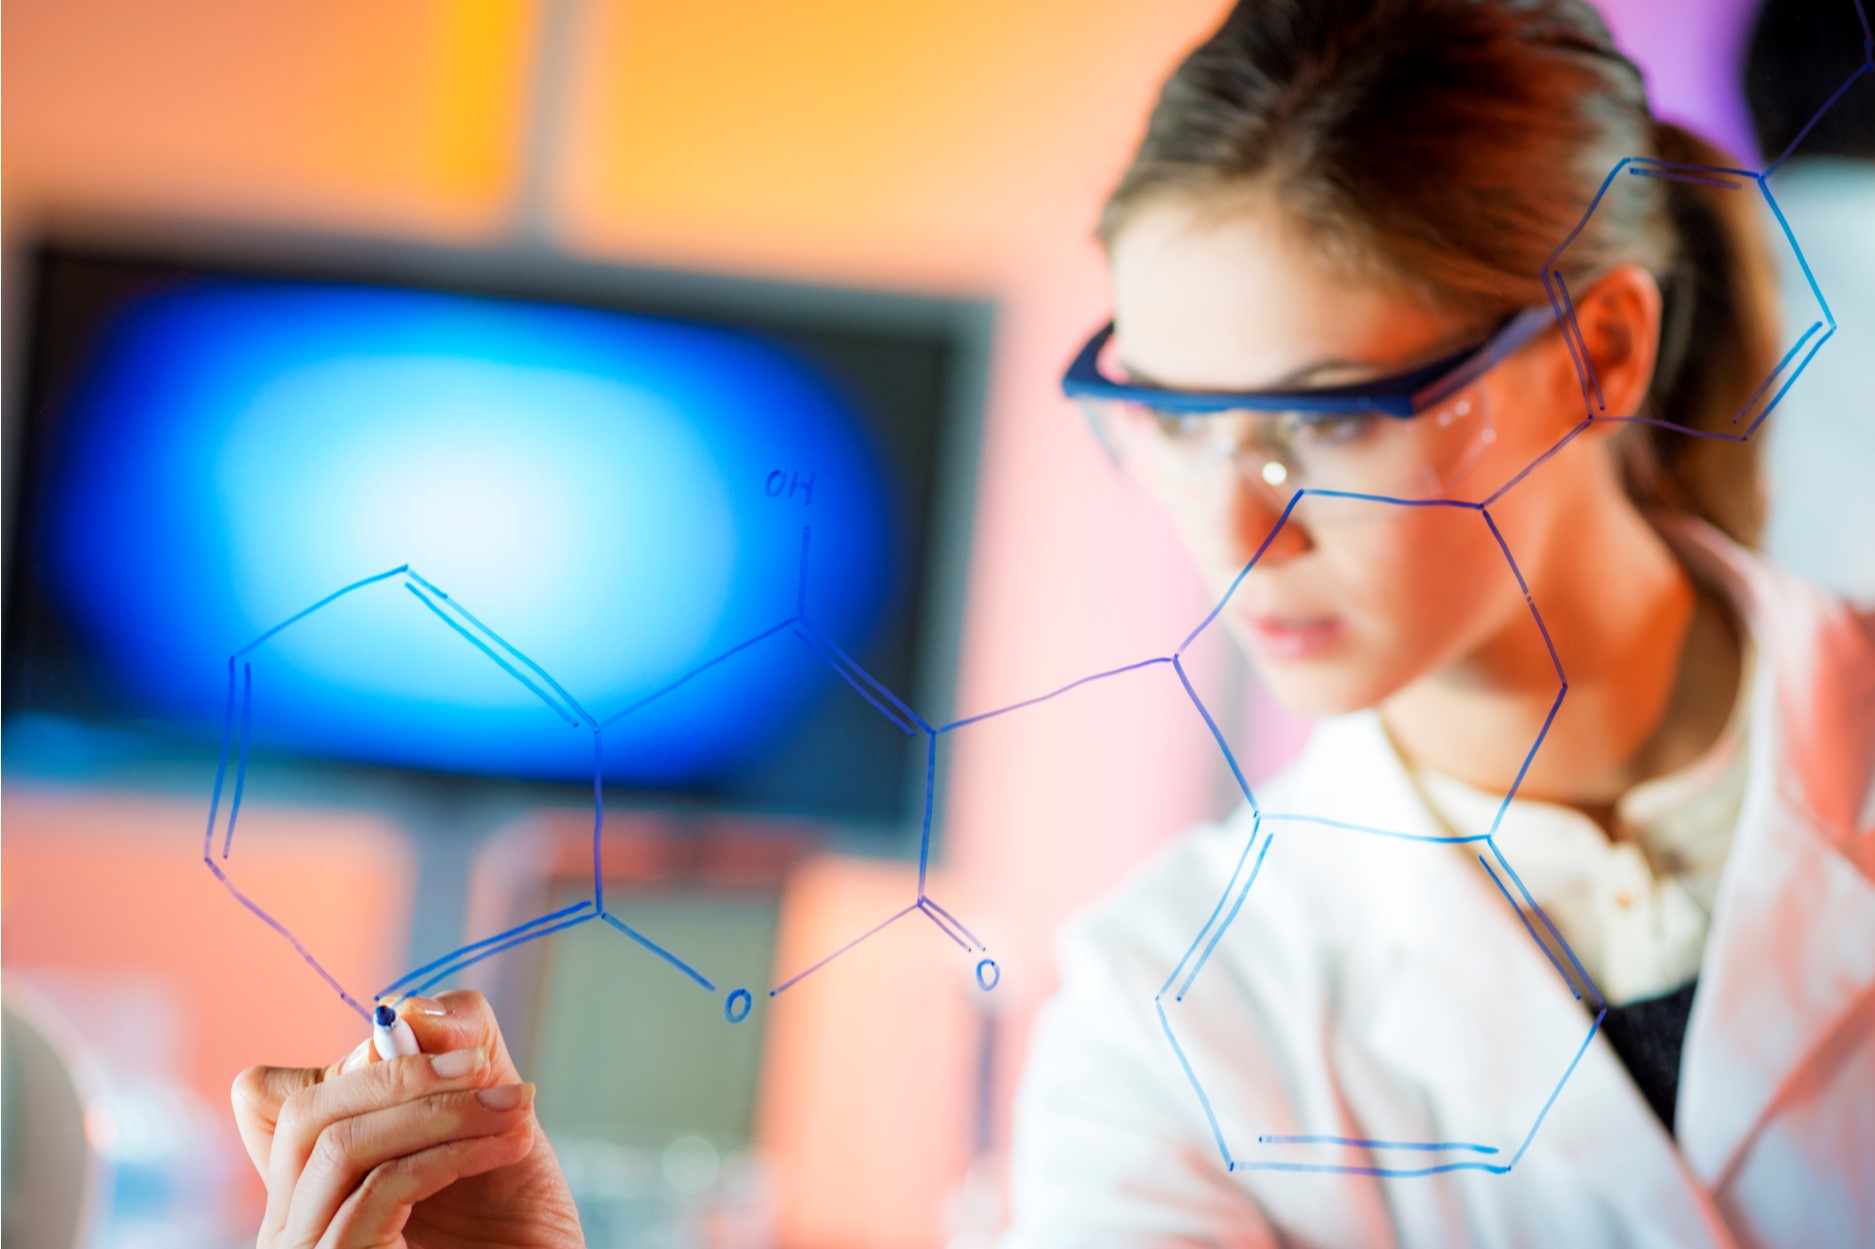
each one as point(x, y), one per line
point(737, 1002)
point(1755, 408)
point(1259, 853)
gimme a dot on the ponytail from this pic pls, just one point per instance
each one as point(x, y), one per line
point(1718, 341)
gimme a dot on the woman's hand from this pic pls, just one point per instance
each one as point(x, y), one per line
point(437, 1151)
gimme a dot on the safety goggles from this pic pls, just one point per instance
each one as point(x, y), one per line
point(1412, 435)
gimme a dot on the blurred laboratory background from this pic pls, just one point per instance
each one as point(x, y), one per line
point(622, 338)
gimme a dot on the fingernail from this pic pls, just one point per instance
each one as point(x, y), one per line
point(458, 1063)
point(506, 1096)
point(424, 1006)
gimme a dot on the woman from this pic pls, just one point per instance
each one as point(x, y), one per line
point(1633, 1004)
point(1655, 1027)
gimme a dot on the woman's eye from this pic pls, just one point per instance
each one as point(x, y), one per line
point(1329, 431)
point(1179, 426)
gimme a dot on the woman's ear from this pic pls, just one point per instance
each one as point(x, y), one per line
point(1617, 322)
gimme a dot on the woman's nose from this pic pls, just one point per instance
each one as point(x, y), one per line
point(1264, 525)
point(1237, 521)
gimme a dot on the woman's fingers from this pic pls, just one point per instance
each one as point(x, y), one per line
point(349, 1150)
point(310, 1110)
point(459, 1019)
point(377, 1210)
point(260, 1092)
point(352, 1141)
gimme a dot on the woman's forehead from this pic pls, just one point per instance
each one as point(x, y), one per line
point(1238, 300)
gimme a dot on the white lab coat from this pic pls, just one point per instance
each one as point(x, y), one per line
point(1383, 990)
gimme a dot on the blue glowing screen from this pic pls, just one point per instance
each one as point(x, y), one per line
point(621, 495)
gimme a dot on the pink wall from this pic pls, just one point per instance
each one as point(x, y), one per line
point(1691, 53)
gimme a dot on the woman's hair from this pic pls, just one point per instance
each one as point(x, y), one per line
point(1448, 147)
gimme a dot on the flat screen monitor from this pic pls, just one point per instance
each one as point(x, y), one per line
point(523, 496)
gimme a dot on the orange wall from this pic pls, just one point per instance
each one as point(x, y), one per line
point(956, 146)
point(401, 117)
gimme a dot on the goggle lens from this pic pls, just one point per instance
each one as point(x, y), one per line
point(1280, 453)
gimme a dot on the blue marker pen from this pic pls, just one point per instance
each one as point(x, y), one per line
point(391, 1036)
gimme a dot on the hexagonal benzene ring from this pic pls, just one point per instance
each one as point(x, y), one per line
point(529, 674)
point(240, 691)
point(1249, 867)
point(1765, 398)
point(1342, 499)
point(800, 632)
point(1301, 1152)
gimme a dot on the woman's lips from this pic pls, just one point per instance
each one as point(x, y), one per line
point(1296, 637)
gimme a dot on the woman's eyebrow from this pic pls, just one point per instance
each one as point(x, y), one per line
point(1287, 380)
point(1295, 377)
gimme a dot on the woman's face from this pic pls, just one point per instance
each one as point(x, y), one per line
point(1352, 600)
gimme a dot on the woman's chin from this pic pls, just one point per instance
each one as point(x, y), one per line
point(1313, 691)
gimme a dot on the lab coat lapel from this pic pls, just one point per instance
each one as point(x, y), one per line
point(1597, 1141)
point(1792, 952)
point(1478, 1018)
point(1792, 946)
